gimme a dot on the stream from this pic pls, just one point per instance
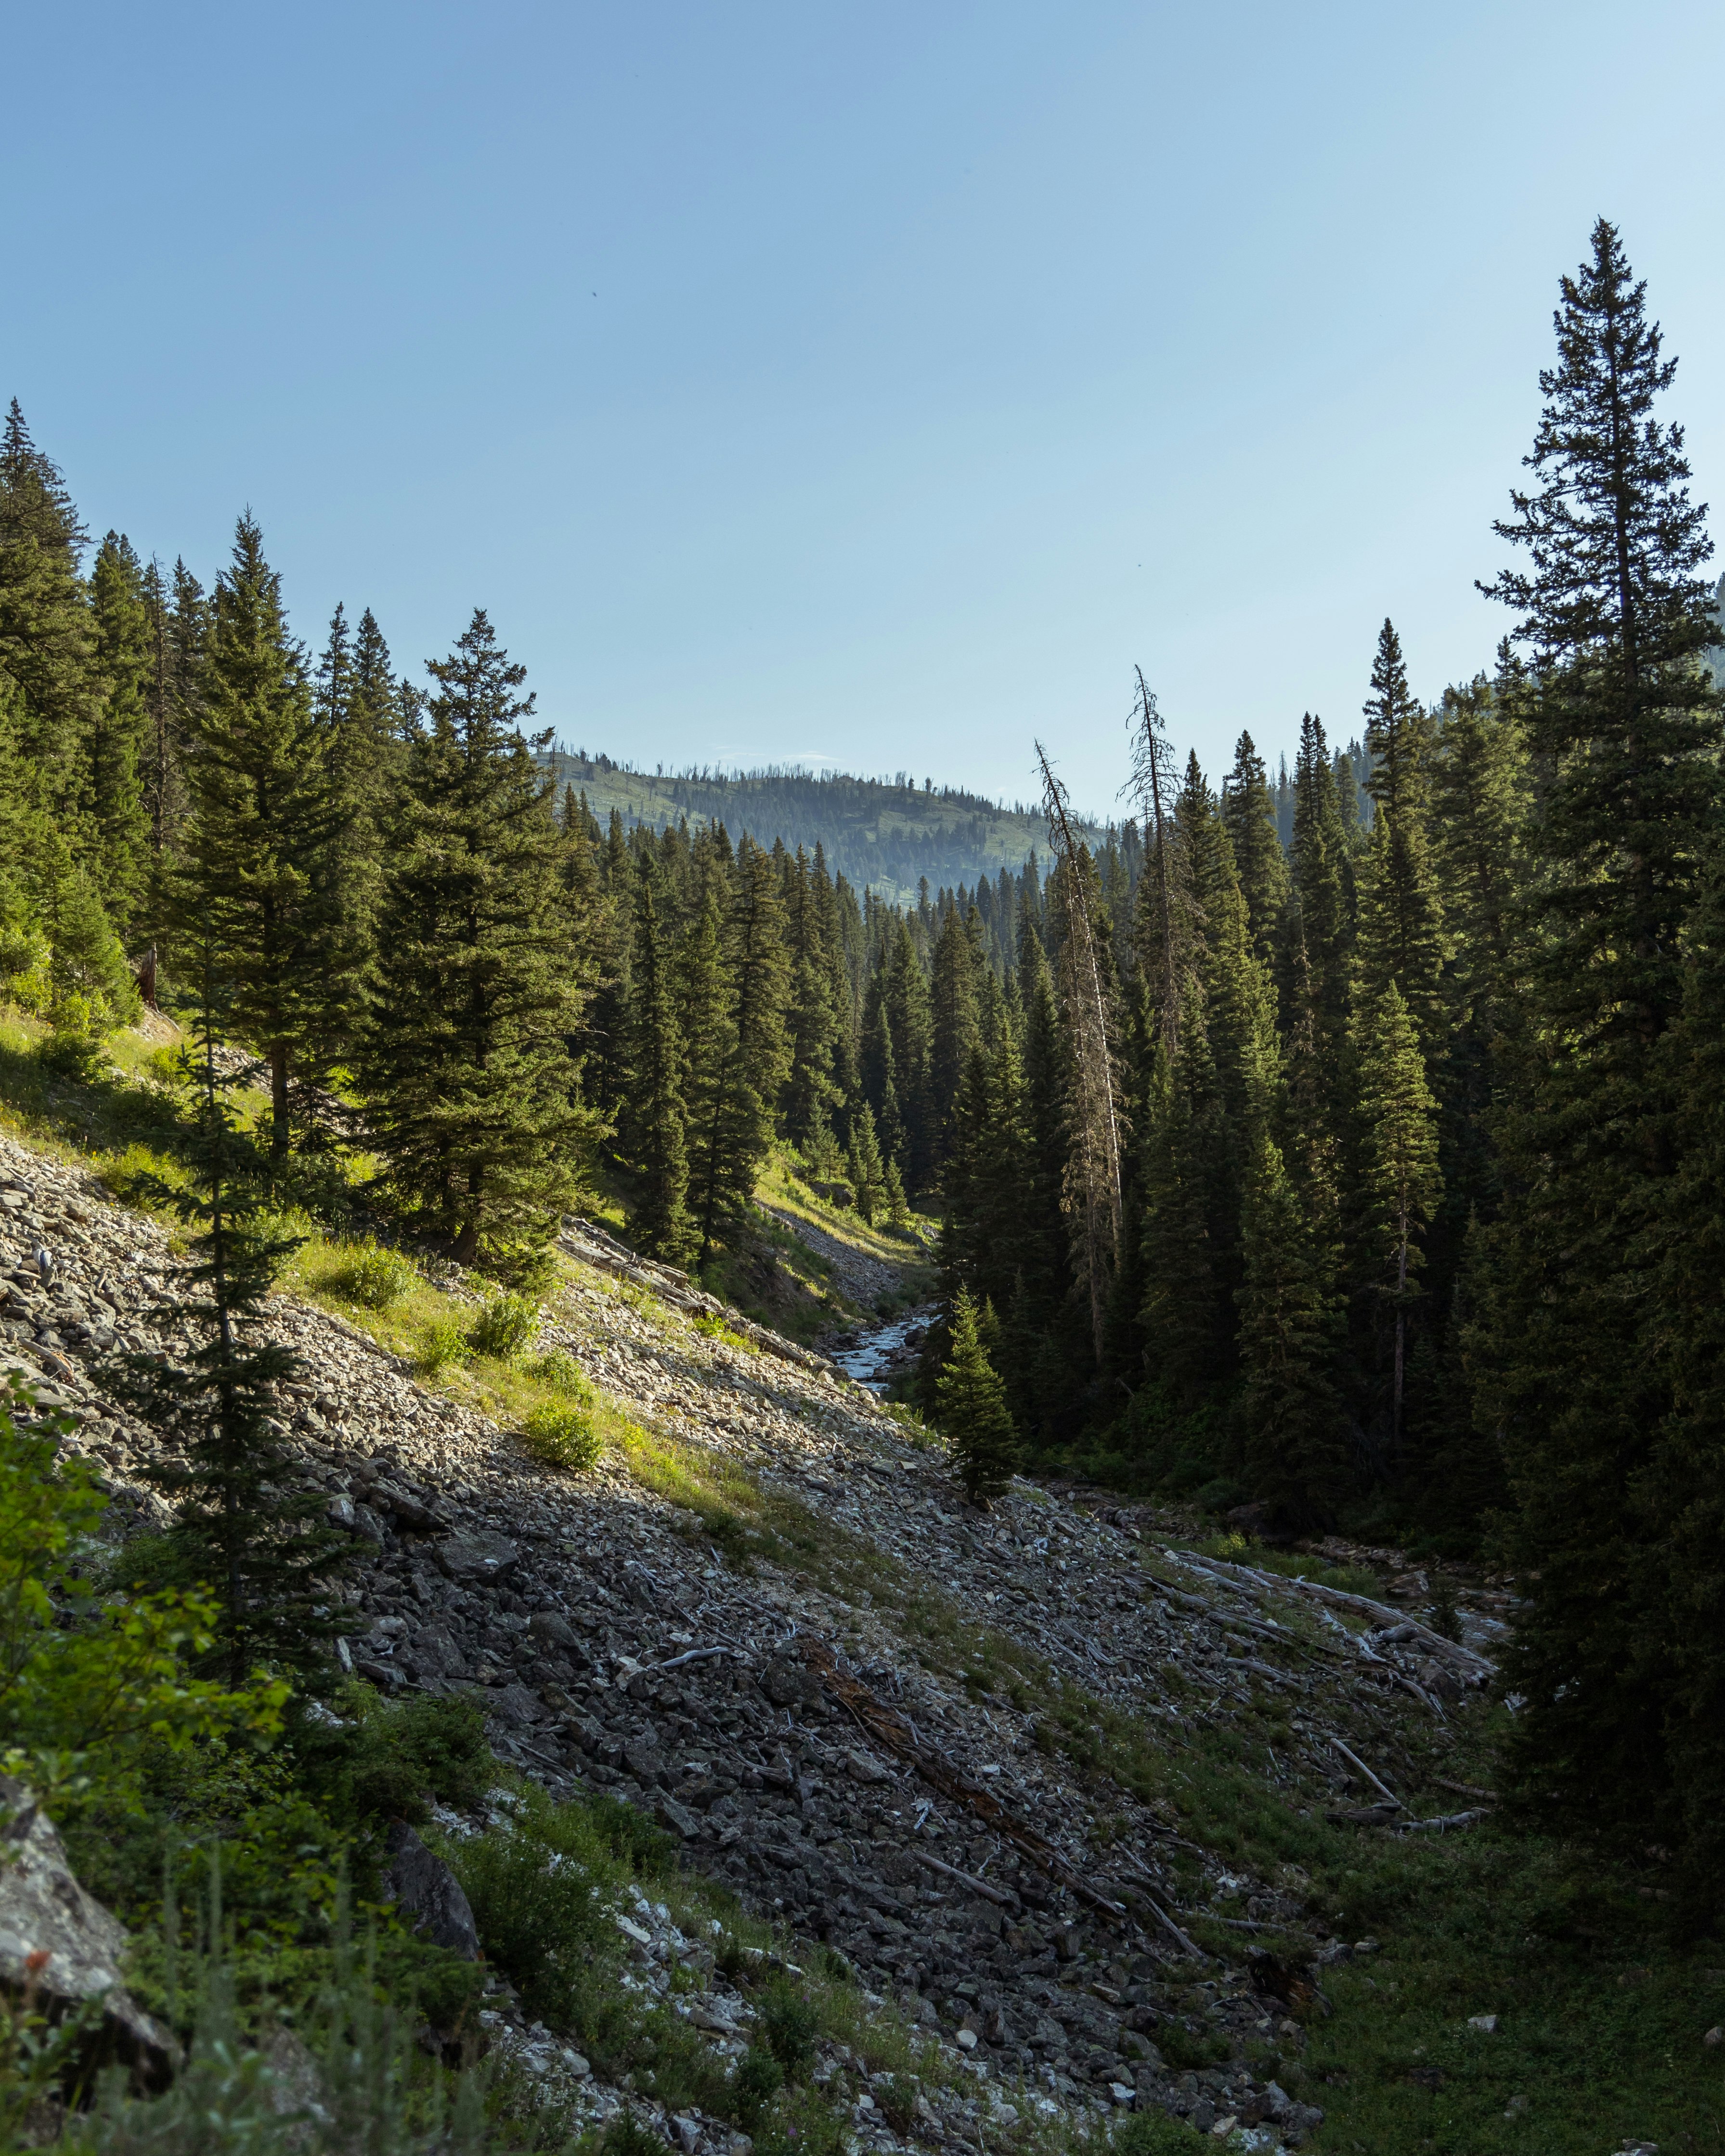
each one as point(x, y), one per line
point(873, 1354)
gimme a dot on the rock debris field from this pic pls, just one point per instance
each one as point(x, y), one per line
point(1031, 1917)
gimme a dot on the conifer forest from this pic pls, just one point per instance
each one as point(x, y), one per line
point(1333, 1143)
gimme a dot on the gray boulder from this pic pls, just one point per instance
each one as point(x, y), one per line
point(477, 1559)
point(424, 1887)
point(64, 1949)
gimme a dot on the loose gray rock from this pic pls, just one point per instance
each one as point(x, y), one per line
point(477, 1560)
point(515, 1705)
point(63, 1947)
point(424, 1886)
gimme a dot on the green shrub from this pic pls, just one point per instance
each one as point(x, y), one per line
point(80, 1057)
point(758, 2078)
point(1156, 2133)
point(541, 1923)
point(1186, 2051)
point(442, 1342)
point(504, 1325)
point(788, 2021)
point(391, 1760)
point(561, 1435)
point(538, 1890)
point(559, 1369)
point(374, 1277)
point(896, 2096)
point(715, 1328)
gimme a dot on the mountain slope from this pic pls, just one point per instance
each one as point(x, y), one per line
point(1097, 1810)
point(883, 834)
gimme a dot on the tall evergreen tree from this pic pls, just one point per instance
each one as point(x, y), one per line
point(1400, 939)
point(655, 1120)
point(244, 1524)
point(1402, 1184)
point(465, 1065)
point(1248, 811)
point(815, 1023)
point(1625, 727)
point(263, 821)
point(737, 1135)
point(114, 817)
point(1294, 1453)
point(971, 1405)
point(45, 630)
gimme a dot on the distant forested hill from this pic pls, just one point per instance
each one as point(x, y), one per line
point(884, 834)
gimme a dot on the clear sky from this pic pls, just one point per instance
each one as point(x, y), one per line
point(873, 383)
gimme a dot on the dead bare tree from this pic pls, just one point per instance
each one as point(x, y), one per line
point(1153, 783)
point(1093, 1178)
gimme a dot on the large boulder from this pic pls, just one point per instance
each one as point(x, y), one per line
point(425, 1888)
point(477, 1559)
point(64, 1949)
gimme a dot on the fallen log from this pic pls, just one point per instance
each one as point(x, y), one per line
point(968, 1881)
point(894, 1735)
point(1442, 1825)
point(1359, 1765)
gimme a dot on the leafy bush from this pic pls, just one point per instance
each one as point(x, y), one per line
point(83, 1676)
point(374, 2089)
point(788, 2023)
point(374, 1277)
point(715, 1328)
point(1156, 2133)
point(561, 1436)
point(442, 1342)
point(79, 1056)
point(390, 1760)
point(558, 1369)
point(758, 2078)
point(504, 1325)
point(896, 2096)
point(1186, 2053)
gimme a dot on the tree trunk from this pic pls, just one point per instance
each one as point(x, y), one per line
point(278, 1053)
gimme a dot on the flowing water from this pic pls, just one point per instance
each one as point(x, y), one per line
point(871, 1353)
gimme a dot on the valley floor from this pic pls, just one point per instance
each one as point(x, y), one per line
point(1112, 1822)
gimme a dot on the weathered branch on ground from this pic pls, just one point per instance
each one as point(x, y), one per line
point(1448, 1819)
point(1359, 1765)
point(894, 1735)
point(968, 1881)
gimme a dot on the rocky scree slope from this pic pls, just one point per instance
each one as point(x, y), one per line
point(693, 1629)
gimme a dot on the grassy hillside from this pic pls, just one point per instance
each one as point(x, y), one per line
point(887, 834)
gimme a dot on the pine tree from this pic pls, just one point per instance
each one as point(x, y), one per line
point(735, 1135)
point(1680, 1571)
point(863, 1167)
point(971, 1405)
point(1295, 1456)
point(655, 1123)
point(1624, 730)
point(955, 1034)
point(466, 1063)
point(113, 819)
point(263, 822)
point(1400, 936)
point(1248, 811)
point(1402, 1186)
point(815, 1021)
point(244, 1524)
point(178, 637)
point(45, 630)
point(708, 1028)
point(1322, 918)
point(80, 983)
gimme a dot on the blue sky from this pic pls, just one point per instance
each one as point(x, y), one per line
point(877, 383)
